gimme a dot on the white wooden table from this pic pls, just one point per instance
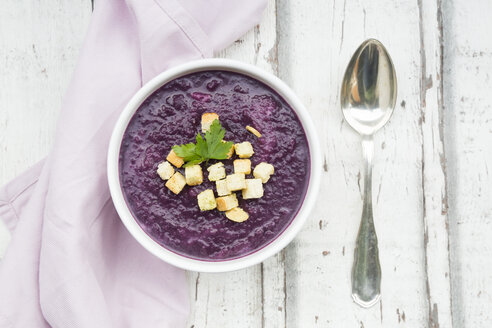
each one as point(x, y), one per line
point(433, 206)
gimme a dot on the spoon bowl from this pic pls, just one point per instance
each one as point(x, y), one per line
point(368, 93)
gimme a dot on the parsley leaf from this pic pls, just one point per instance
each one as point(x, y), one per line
point(212, 147)
point(201, 147)
point(216, 148)
point(185, 151)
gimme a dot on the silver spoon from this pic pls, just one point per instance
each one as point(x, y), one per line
point(368, 98)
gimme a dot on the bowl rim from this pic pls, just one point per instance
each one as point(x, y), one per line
point(181, 261)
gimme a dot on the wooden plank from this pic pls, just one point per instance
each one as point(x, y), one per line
point(468, 141)
point(315, 45)
point(39, 45)
point(253, 297)
point(435, 199)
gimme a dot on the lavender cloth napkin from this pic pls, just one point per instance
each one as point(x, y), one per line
point(70, 262)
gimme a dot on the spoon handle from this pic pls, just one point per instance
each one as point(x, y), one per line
point(366, 271)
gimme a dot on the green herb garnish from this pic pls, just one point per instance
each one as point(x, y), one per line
point(212, 147)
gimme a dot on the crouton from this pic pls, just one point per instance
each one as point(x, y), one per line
point(242, 166)
point(175, 159)
point(231, 151)
point(222, 189)
point(176, 183)
point(165, 170)
point(207, 120)
point(263, 171)
point(194, 175)
point(236, 181)
point(206, 200)
point(253, 130)
point(254, 189)
point(216, 172)
point(244, 149)
point(227, 203)
point(237, 214)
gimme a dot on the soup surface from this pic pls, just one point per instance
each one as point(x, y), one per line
point(171, 116)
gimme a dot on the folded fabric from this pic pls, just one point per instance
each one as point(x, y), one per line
point(70, 262)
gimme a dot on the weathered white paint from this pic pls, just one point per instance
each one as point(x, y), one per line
point(39, 45)
point(435, 153)
point(434, 193)
point(468, 141)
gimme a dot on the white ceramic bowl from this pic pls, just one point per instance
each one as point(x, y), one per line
point(226, 265)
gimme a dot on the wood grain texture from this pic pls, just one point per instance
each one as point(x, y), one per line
point(468, 141)
point(39, 45)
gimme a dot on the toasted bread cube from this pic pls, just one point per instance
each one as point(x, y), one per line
point(216, 172)
point(236, 181)
point(227, 203)
point(176, 183)
point(206, 200)
point(254, 189)
point(194, 175)
point(222, 189)
point(207, 120)
point(231, 151)
point(244, 149)
point(165, 170)
point(242, 166)
point(263, 171)
point(175, 159)
point(237, 214)
point(253, 130)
